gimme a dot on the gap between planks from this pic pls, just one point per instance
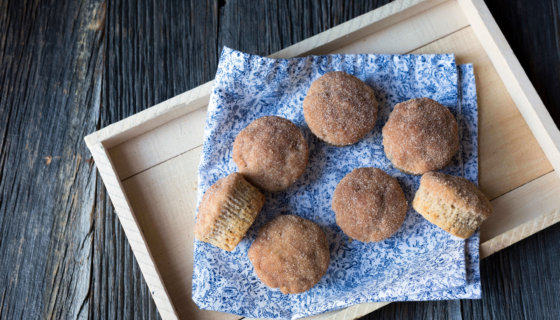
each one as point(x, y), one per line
point(199, 146)
point(161, 163)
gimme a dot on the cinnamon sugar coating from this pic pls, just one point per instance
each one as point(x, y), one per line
point(339, 108)
point(290, 253)
point(271, 153)
point(369, 205)
point(421, 135)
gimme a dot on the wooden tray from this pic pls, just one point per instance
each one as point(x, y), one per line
point(148, 161)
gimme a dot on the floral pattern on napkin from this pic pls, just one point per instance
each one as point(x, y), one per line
point(419, 262)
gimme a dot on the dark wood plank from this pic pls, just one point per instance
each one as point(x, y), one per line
point(64, 254)
point(532, 29)
point(154, 51)
point(51, 55)
point(277, 24)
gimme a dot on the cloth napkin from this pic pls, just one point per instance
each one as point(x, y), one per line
point(419, 262)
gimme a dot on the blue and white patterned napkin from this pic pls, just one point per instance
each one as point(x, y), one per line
point(419, 262)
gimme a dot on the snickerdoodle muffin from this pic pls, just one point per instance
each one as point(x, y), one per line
point(339, 108)
point(290, 253)
point(227, 210)
point(452, 203)
point(421, 135)
point(271, 153)
point(369, 205)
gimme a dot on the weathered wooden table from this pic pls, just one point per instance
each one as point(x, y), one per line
point(68, 68)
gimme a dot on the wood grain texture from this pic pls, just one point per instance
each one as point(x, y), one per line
point(70, 67)
point(51, 67)
point(278, 24)
point(152, 49)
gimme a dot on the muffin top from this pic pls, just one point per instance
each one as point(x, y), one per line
point(271, 153)
point(421, 135)
point(339, 108)
point(290, 253)
point(369, 205)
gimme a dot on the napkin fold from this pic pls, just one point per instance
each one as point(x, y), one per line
point(419, 262)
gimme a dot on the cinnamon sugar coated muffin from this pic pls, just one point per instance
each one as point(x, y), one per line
point(369, 204)
point(339, 108)
point(421, 135)
point(452, 203)
point(271, 153)
point(290, 253)
point(227, 210)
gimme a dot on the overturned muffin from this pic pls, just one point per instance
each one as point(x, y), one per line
point(369, 205)
point(227, 210)
point(421, 135)
point(339, 108)
point(452, 203)
point(290, 253)
point(271, 153)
